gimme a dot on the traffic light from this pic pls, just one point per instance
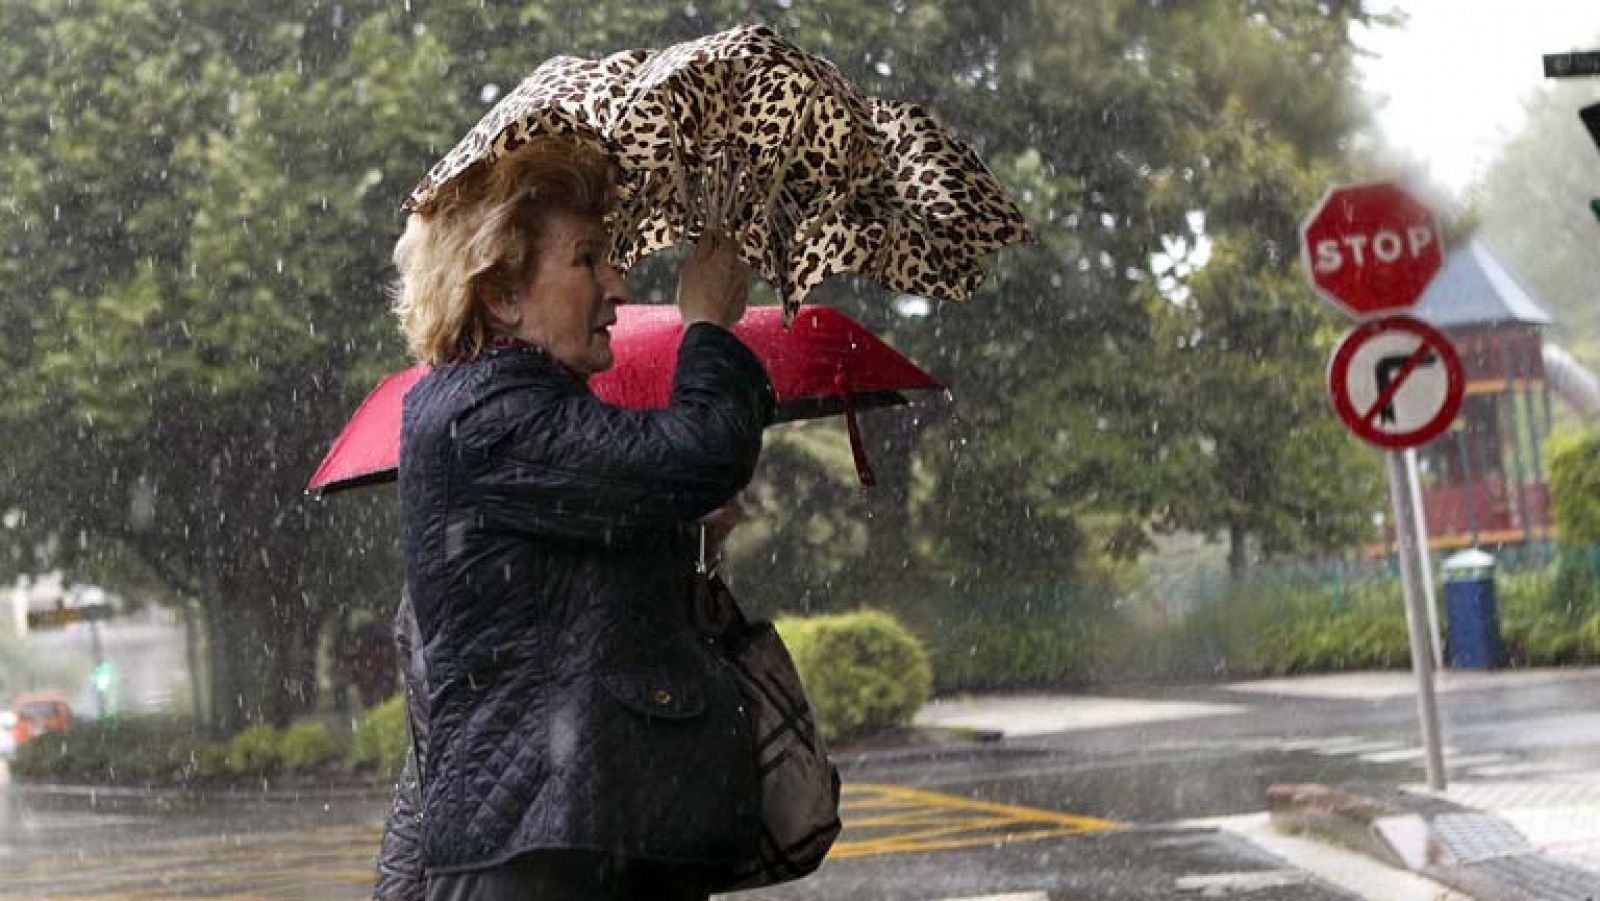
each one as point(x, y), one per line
point(102, 677)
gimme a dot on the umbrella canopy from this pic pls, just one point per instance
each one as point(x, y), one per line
point(367, 451)
point(827, 364)
point(743, 133)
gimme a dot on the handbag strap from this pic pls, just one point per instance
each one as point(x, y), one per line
point(737, 623)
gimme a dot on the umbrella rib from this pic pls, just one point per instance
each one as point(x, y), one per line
point(790, 146)
point(834, 206)
point(679, 178)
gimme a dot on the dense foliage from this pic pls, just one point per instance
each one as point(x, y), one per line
point(1336, 619)
point(1575, 486)
point(200, 198)
point(380, 738)
point(1534, 204)
point(862, 671)
point(166, 751)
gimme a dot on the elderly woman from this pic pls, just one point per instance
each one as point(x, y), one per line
point(576, 737)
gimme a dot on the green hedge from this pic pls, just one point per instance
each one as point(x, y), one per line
point(1271, 624)
point(1014, 637)
point(862, 671)
point(306, 747)
point(254, 752)
point(157, 750)
point(1549, 617)
point(131, 751)
point(380, 739)
point(1575, 485)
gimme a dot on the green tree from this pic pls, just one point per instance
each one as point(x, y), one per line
point(194, 300)
point(1252, 449)
point(1534, 201)
point(200, 200)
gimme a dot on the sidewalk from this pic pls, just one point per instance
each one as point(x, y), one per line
point(1527, 833)
point(1538, 837)
point(1535, 840)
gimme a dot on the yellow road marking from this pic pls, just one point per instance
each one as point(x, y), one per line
point(951, 821)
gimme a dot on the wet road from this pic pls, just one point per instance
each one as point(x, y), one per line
point(1088, 813)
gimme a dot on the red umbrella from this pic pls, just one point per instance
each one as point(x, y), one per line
point(824, 365)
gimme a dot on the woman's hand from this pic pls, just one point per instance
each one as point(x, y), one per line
point(714, 285)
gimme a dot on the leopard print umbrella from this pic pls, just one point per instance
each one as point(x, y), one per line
point(565, 96)
point(743, 133)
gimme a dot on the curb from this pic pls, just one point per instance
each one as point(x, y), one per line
point(128, 797)
point(1362, 824)
point(1471, 851)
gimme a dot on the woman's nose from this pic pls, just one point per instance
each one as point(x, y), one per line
point(615, 286)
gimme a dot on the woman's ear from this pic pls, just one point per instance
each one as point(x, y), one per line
point(498, 301)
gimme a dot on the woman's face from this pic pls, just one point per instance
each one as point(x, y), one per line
point(570, 303)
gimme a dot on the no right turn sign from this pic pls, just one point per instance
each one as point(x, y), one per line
point(1396, 382)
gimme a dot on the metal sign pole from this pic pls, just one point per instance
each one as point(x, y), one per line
point(1425, 558)
point(1408, 544)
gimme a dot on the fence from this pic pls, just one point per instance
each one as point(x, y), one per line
point(1349, 614)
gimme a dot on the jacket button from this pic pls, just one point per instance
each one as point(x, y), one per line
point(662, 696)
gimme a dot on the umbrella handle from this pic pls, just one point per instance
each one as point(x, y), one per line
point(858, 449)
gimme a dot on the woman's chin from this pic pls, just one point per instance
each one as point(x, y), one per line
point(599, 361)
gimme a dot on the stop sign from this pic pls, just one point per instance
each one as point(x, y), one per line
point(1370, 248)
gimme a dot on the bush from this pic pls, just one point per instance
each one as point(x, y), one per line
point(167, 751)
point(1319, 632)
point(155, 750)
point(862, 671)
point(305, 746)
point(1575, 485)
point(1275, 621)
point(1541, 620)
point(254, 752)
point(380, 739)
point(211, 760)
point(1014, 636)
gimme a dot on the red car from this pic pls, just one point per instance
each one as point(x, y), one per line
point(38, 713)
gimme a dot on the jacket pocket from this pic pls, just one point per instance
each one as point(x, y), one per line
point(655, 694)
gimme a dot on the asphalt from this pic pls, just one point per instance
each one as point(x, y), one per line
point(1124, 793)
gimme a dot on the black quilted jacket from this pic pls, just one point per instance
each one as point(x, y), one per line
point(568, 702)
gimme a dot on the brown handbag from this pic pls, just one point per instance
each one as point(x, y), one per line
point(799, 784)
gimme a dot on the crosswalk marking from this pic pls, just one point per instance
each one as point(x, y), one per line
point(1400, 756)
point(1466, 761)
point(1368, 747)
point(1011, 896)
point(1307, 744)
point(1221, 885)
point(1385, 752)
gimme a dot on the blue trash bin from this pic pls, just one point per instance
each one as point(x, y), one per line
point(1472, 636)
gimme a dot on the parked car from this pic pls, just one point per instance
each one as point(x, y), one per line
point(40, 712)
